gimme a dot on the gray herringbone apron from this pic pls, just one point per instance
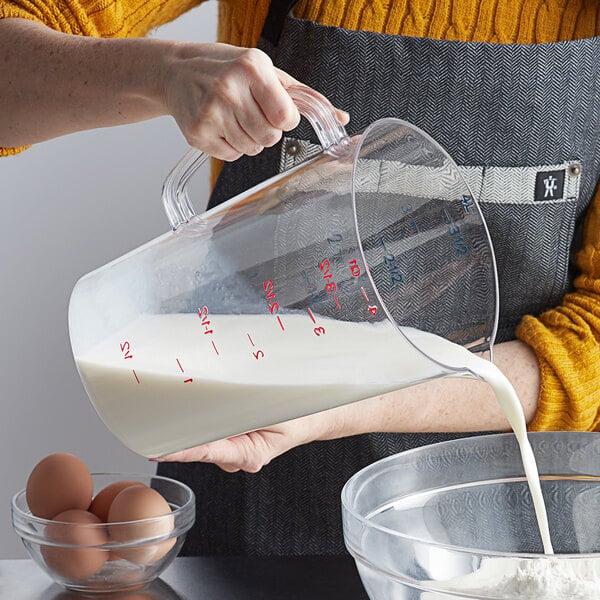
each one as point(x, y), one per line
point(523, 123)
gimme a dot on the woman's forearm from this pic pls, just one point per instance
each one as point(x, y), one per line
point(226, 100)
point(54, 83)
point(443, 405)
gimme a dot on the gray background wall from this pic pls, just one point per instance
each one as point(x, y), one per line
point(68, 206)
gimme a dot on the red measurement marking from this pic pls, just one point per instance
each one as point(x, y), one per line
point(354, 268)
point(270, 295)
point(203, 314)
point(258, 353)
point(125, 347)
point(179, 364)
point(280, 323)
point(364, 293)
point(311, 315)
point(215, 349)
point(135, 375)
point(331, 286)
point(188, 380)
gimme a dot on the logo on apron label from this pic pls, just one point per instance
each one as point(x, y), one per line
point(549, 185)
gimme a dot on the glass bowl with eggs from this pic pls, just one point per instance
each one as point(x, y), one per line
point(101, 532)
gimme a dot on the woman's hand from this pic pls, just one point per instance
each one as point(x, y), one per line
point(229, 101)
point(252, 451)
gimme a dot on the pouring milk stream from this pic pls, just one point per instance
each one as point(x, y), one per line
point(363, 270)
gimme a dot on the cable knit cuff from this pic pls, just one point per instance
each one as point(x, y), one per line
point(564, 340)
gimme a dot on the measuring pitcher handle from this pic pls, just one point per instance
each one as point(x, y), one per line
point(321, 116)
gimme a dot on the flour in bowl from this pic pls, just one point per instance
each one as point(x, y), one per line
point(551, 578)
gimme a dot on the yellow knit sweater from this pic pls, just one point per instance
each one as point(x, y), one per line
point(566, 339)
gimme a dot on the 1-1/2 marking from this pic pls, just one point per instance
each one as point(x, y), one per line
point(126, 351)
point(203, 314)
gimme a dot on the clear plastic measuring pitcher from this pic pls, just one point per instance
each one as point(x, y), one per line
point(319, 287)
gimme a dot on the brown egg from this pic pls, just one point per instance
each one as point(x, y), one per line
point(75, 563)
point(132, 504)
point(57, 483)
point(103, 499)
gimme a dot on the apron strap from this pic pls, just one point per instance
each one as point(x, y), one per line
point(278, 10)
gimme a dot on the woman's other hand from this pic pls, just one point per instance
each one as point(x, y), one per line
point(251, 451)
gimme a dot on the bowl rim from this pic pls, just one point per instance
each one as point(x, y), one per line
point(181, 510)
point(347, 511)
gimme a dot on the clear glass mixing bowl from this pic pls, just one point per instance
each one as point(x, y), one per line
point(456, 520)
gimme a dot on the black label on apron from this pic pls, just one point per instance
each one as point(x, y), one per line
point(549, 185)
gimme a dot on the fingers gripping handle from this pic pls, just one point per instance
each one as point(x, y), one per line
point(319, 113)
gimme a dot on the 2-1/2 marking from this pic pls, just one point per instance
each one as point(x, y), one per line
point(270, 295)
point(389, 260)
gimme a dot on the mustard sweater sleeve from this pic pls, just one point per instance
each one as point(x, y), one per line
point(98, 18)
point(68, 16)
point(566, 340)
